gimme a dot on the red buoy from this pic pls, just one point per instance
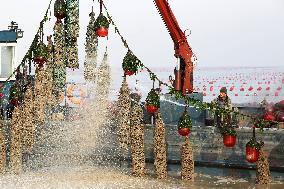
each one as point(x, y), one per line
point(151, 108)
point(269, 116)
point(252, 154)
point(250, 88)
point(15, 102)
point(129, 72)
point(184, 131)
point(102, 32)
point(280, 117)
point(229, 140)
point(40, 61)
point(259, 89)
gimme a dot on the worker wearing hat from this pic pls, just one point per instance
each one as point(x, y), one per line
point(223, 101)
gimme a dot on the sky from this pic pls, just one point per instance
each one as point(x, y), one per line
point(224, 33)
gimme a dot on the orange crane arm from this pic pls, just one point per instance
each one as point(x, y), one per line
point(184, 73)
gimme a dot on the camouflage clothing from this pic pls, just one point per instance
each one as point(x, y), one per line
point(222, 119)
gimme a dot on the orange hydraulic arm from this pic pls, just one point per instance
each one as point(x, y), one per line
point(184, 72)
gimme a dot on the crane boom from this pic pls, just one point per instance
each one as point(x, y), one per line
point(184, 72)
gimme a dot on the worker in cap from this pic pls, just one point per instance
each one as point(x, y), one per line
point(223, 90)
point(223, 101)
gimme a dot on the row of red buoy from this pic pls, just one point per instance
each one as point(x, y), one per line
point(254, 94)
point(233, 88)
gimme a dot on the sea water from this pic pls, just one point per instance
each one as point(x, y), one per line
point(245, 85)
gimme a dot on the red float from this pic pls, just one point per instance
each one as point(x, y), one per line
point(59, 17)
point(40, 61)
point(2, 95)
point(259, 89)
point(129, 72)
point(250, 88)
point(280, 117)
point(14, 102)
point(252, 154)
point(229, 140)
point(184, 131)
point(102, 32)
point(151, 108)
point(269, 116)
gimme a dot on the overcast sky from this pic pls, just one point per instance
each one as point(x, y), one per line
point(223, 32)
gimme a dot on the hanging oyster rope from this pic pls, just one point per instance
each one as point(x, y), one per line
point(28, 130)
point(72, 55)
point(40, 95)
point(187, 162)
point(59, 72)
point(102, 92)
point(262, 168)
point(49, 74)
point(137, 140)
point(160, 148)
point(91, 47)
point(2, 148)
point(103, 83)
point(72, 33)
point(16, 145)
point(124, 108)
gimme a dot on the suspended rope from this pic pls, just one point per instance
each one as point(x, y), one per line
point(16, 144)
point(262, 168)
point(102, 92)
point(103, 81)
point(2, 148)
point(124, 108)
point(187, 161)
point(49, 75)
point(91, 47)
point(72, 33)
point(59, 72)
point(28, 130)
point(137, 140)
point(40, 95)
point(160, 148)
